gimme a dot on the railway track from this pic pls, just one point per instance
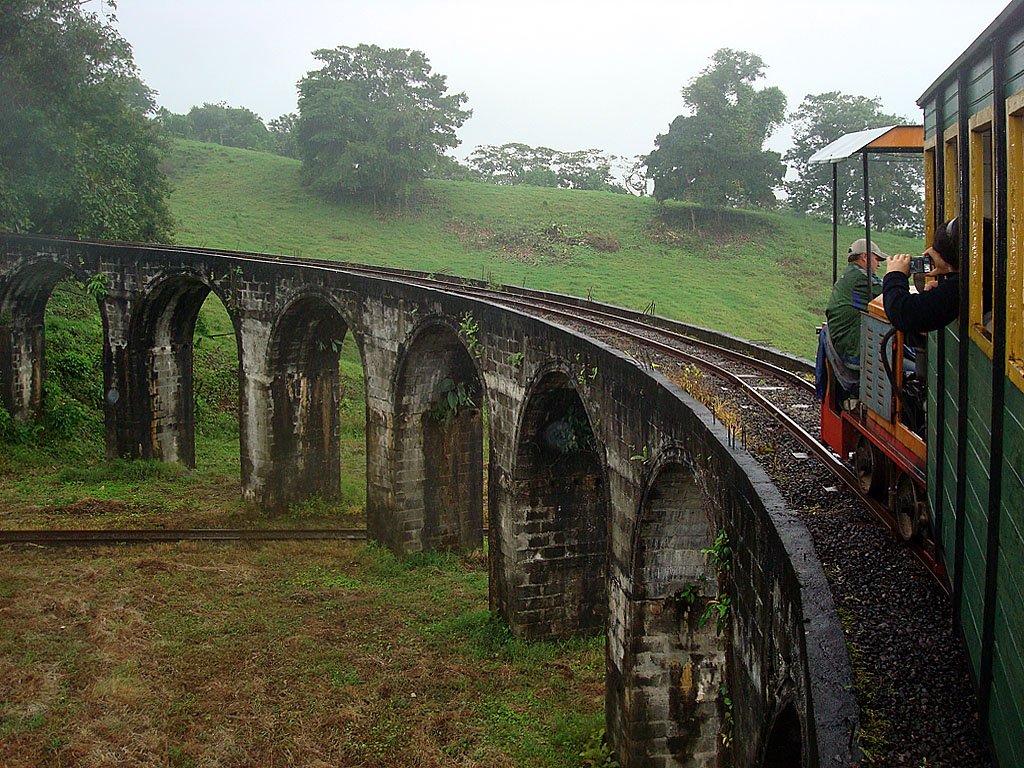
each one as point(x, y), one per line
point(894, 603)
point(158, 535)
point(784, 393)
point(750, 375)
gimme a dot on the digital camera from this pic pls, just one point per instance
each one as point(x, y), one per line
point(920, 265)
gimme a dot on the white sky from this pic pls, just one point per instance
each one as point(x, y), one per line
point(567, 74)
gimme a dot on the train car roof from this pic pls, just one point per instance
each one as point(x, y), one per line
point(980, 43)
point(891, 138)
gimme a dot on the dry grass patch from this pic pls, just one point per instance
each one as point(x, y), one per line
point(301, 653)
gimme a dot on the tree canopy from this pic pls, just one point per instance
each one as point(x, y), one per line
point(219, 124)
point(373, 120)
point(896, 182)
point(516, 163)
point(714, 155)
point(77, 154)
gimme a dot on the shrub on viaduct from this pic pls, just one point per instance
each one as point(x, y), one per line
point(605, 481)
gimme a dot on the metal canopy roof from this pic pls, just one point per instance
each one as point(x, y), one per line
point(892, 138)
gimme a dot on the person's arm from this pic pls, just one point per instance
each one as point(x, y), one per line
point(920, 312)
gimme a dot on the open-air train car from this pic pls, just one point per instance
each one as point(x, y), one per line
point(971, 457)
point(974, 170)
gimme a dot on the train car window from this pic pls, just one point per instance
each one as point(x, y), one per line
point(930, 188)
point(981, 208)
point(951, 180)
point(1015, 238)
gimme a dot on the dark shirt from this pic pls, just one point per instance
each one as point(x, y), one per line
point(921, 312)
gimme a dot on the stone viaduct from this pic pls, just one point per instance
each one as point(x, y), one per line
point(605, 481)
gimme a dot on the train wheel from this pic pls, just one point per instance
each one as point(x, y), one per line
point(870, 466)
point(907, 507)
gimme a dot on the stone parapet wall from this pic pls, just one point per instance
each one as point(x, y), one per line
point(605, 481)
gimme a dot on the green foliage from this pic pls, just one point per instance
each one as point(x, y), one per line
point(372, 121)
point(98, 286)
point(579, 436)
point(452, 397)
point(597, 753)
point(897, 182)
point(719, 554)
point(642, 456)
point(449, 168)
point(688, 594)
point(219, 124)
point(468, 330)
point(728, 717)
point(717, 608)
point(695, 267)
point(122, 470)
point(715, 156)
point(516, 163)
point(77, 154)
point(515, 359)
point(15, 433)
point(584, 373)
point(282, 133)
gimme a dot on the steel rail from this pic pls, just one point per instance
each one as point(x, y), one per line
point(553, 306)
point(415, 277)
point(820, 451)
point(156, 535)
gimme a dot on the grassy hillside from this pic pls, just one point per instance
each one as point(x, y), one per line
point(761, 276)
point(143, 622)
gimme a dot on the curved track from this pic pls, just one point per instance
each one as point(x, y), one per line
point(782, 392)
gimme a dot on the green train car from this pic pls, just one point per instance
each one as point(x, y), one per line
point(974, 170)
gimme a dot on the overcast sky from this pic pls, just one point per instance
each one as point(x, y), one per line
point(567, 74)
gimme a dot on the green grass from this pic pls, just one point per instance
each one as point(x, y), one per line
point(332, 652)
point(762, 276)
point(285, 653)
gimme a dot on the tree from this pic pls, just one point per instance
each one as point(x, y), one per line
point(230, 126)
point(715, 155)
point(372, 121)
point(77, 154)
point(173, 124)
point(449, 168)
point(516, 163)
point(587, 169)
point(896, 182)
point(636, 178)
point(282, 133)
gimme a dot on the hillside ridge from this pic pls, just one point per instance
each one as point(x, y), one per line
point(763, 276)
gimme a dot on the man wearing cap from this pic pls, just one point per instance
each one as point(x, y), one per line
point(840, 338)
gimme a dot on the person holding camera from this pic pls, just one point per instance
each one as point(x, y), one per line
point(939, 303)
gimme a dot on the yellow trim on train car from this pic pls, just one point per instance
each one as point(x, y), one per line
point(1015, 239)
point(951, 179)
point(980, 174)
point(929, 189)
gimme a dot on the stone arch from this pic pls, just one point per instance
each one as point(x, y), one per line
point(23, 299)
point(438, 446)
point(552, 561)
point(784, 747)
point(674, 667)
point(158, 361)
point(305, 444)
